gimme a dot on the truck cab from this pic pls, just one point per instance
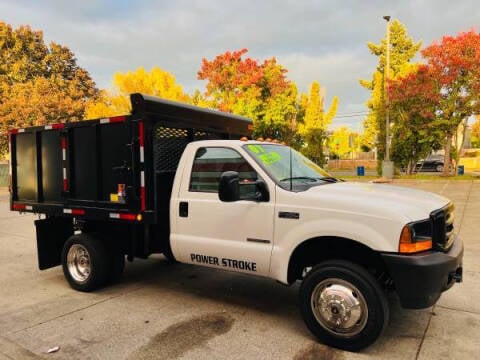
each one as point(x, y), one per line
point(273, 212)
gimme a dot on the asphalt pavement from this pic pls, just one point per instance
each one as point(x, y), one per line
point(166, 311)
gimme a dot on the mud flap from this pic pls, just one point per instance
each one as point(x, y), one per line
point(51, 235)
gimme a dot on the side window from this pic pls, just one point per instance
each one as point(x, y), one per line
point(211, 162)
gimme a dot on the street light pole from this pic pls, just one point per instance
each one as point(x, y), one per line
point(387, 73)
point(387, 166)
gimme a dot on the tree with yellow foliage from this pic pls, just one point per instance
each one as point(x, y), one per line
point(157, 82)
point(313, 128)
point(342, 141)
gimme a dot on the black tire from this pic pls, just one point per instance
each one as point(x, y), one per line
point(439, 168)
point(99, 262)
point(346, 275)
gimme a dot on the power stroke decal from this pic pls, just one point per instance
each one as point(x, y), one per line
point(224, 262)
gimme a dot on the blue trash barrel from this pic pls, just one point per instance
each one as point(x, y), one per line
point(461, 169)
point(360, 170)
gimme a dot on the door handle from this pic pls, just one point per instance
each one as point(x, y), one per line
point(183, 209)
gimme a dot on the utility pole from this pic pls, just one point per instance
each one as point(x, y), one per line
point(387, 166)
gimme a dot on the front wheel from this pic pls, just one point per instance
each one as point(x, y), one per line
point(343, 305)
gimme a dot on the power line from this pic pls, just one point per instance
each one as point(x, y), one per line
point(351, 115)
point(354, 112)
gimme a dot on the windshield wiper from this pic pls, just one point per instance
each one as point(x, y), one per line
point(309, 178)
point(330, 179)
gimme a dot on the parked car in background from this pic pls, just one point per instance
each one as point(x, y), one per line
point(431, 163)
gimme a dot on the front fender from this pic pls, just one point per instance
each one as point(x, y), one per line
point(377, 234)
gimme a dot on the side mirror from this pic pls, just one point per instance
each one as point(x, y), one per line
point(228, 187)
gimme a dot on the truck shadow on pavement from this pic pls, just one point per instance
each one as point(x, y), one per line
point(222, 287)
point(246, 296)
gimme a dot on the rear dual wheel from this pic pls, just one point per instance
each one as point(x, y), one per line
point(343, 305)
point(88, 263)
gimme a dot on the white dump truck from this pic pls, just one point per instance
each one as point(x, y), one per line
point(184, 181)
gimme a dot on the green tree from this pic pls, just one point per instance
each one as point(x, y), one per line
point(279, 119)
point(402, 50)
point(413, 104)
point(315, 121)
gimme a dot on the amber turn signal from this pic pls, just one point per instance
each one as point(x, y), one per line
point(408, 245)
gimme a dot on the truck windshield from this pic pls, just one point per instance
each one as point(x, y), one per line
point(287, 167)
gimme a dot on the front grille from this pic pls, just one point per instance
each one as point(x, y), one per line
point(442, 227)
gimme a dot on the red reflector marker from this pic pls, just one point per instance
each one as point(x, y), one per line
point(74, 211)
point(16, 131)
point(141, 133)
point(22, 207)
point(143, 198)
point(117, 119)
point(122, 216)
point(54, 126)
point(128, 216)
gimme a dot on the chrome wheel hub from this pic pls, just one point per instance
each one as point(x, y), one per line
point(339, 307)
point(78, 263)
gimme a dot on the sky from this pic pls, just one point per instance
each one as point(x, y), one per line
point(324, 41)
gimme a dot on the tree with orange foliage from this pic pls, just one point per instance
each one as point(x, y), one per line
point(39, 84)
point(259, 91)
point(455, 67)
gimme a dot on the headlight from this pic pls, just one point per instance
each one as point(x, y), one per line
point(416, 237)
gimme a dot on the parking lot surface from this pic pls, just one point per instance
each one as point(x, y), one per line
point(165, 311)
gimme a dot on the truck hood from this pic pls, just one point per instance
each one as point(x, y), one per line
point(379, 200)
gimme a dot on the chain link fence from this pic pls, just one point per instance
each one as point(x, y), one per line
point(3, 173)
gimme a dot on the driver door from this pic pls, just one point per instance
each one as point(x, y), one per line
point(235, 236)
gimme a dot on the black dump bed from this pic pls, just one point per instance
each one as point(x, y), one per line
point(112, 168)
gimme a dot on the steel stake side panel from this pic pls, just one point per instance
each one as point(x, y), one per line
point(84, 168)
